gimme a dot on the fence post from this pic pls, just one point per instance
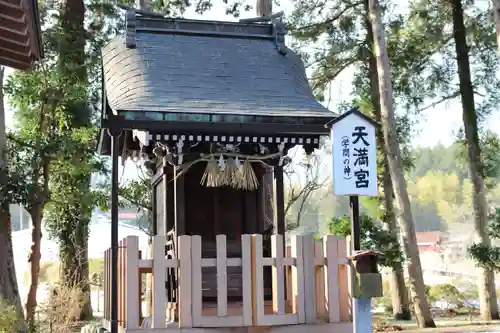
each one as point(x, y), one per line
point(196, 280)
point(121, 283)
point(298, 279)
point(185, 283)
point(246, 270)
point(278, 275)
point(309, 286)
point(159, 278)
point(132, 302)
point(107, 290)
point(257, 280)
point(344, 294)
point(331, 277)
point(221, 264)
point(319, 282)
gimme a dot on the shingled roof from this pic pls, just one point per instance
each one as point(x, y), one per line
point(193, 66)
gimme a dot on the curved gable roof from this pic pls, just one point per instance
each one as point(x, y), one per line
point(191, 66)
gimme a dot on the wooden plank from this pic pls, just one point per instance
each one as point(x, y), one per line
point(132, 304)
point(298, 303)
point(331, 277)
point(246, 269)
point(121, 284)
point(309, 288)
point(185, 283)
point(280, 200)
point(221, 276)
point(159, 278)
point(180, 204)
point(106, 283)
point(350, 276)
point(277, 320)
point(278, 273)
point(196, 280)
point(215, 322)
point(319, 271)
point(257, 280)
point(344, 295)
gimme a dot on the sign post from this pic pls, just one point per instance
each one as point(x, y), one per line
point(355, 174)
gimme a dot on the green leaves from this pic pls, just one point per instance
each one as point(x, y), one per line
point(373, 237)
point(485, 255)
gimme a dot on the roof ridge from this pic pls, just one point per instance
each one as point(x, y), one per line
point(137, 21)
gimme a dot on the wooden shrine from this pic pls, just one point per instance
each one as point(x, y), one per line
point(213, 108)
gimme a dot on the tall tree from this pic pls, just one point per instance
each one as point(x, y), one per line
point(8, 280)
point(399, 291)
point(72, 198)
point(488, 305)
point(496, 18)
point(33, 145)
point(394, 159)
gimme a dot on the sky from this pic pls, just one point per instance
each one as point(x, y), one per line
point(438, 125)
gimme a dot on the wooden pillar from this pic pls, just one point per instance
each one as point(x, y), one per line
point(279, 200)
point(180, 204)
point(166, 198)
point(154, 210)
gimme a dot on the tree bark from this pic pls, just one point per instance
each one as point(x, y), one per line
point(487, 293)
point(264, 8)
point(73, 251)
point(496, 17)
point(399, 292)
point(34, 264)
point(8, 279)
point(75, 217)
point(422, 311)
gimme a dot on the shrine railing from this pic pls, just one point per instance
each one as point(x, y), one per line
point(310, 278)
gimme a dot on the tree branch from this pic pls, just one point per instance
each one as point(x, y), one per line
point(329, 21)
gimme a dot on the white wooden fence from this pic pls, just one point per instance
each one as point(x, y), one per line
point(310, 282)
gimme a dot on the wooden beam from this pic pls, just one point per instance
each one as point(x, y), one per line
point(18, 56)
point(14, 23)
point(180, 205)
point(280, 200)
point(11, 10)
point(14, 64)
point(218, 128)
point(10, 40)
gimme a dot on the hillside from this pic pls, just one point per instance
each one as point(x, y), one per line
point(438, 185)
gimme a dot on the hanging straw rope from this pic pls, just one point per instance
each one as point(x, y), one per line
point(248, 179)
point(211, 174)
point(220, 172)
point(243, 178)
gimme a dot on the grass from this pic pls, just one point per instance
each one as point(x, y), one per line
point(459, 323)
point(49, 270)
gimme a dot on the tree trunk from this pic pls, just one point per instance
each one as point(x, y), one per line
point(75, 215)
point(73, 251)
point(486, 282)
point(8, 279)
point(496, 17)
point(264, 8)
point(34, 264)
point(399, 292)
point(422, 311)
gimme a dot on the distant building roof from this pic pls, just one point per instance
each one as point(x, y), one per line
point(428, 237)
point(197, 67)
